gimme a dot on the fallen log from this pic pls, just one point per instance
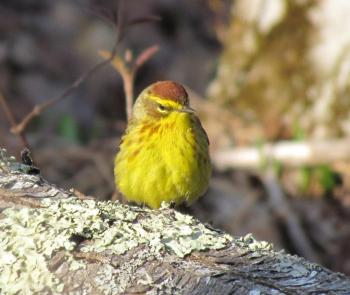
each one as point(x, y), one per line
point(53, 242)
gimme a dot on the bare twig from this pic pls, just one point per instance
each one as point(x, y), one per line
point(128, 73)
point(92, 256)
point(38, 109)
point(144, 56)
point(121, 27)
point(12, 120)
point(80, 195)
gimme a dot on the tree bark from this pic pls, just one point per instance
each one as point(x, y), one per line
point(52, 242)
point(285, 69)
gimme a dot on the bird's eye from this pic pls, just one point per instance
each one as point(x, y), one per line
point(162, 108)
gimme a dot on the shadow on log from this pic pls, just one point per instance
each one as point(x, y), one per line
point(52, 242)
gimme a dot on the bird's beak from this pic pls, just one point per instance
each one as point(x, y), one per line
point(187, 109)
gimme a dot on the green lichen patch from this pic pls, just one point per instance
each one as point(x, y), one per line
point(6, 162)
point(250, 243)
point(30, 237)
point(23, 252)
point(182, 234)
point(178, 233)
point(110, 280)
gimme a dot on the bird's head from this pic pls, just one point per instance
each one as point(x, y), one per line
point(162, 99)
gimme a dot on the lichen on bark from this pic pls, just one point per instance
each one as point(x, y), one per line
point(59, 244)
point(30, 236)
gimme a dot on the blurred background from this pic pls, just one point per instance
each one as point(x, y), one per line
point(269, 78)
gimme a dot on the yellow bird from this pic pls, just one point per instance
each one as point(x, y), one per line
point(164, 153)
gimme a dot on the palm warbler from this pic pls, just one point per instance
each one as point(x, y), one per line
point(164, 153)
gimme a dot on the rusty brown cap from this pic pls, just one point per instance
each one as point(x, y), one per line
point(170, 90)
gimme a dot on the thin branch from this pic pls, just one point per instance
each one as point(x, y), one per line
point(12, 120)
point(8, 113)
point(145, 55)
point(128, 73)
point(129, 92)
point(38, 109)
point(128, 77)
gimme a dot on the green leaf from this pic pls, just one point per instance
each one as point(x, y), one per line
point(68, 128)
point(305, 178)
point(326, 177)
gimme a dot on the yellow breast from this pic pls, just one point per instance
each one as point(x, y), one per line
point(166, 160)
